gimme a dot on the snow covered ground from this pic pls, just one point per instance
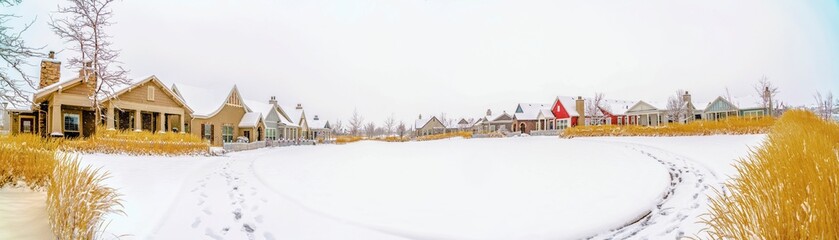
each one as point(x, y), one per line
point(512, 188)
point(23, 214)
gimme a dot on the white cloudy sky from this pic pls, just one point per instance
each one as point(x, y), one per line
point(461, 57)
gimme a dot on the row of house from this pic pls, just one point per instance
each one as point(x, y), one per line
point(64, 108)
point(566, 111)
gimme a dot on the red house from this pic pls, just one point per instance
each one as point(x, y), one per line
point(567, 111)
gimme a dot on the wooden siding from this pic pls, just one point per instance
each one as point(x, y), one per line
point(139, 94)
point(229, 114)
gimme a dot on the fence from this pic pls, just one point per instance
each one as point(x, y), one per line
point(545, 133)
point(235, 147)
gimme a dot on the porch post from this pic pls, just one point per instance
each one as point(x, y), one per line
point(56, 119)
point(161, 120)
point(138, 121)
point(183, 124)
point(109, 119)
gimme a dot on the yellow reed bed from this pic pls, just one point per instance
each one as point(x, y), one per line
point(77, 200)
point(347, 139)
point(140, 143)
point(732, 125)
point(463, 134)
point(26, 159)
point(786, 189)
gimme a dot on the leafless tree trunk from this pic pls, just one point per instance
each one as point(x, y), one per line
point(338, 127)
point(390, 123)
point(401, 129)
point(767, 91)
point(14, 82)
point(83, 23)
point(370, 130)
point(594, 109)
point(825, 105)
point(356, 123)
point(677, 107)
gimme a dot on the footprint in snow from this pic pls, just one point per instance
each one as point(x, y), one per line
point(268, 236)
point(197, 221)
point(207, 211)
point(212, 235)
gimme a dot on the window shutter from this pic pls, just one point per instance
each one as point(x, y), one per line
point(150, 94)
point(203, 131)
point(212, 133)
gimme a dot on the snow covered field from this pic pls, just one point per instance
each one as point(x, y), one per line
point(512, 188)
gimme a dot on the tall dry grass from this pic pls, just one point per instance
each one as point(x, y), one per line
point(139, 143)
point(347, 139)
point(77, 200)
point(26, 159)
point(463, 134)
point(786, 189)
point(731, 125)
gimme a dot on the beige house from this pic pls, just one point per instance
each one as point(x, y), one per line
point(65, 109)
point(428, 126)
point(221, 120)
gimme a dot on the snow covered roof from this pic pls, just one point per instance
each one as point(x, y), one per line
point(747, 102)
point(156, 81)
point(56, 86)
point(316, 122)
point(546, 114)
point(204, 102)
point(421, 122)
point(616, 107)
point(530, 111)
point(250, 120)
point(294, 114)
point(570, 105)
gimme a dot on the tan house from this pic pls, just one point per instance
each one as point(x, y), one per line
point(221, 120)
point(428, 126)
point(65, 109)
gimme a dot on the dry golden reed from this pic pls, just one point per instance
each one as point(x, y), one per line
point(347, 139)
point(26, 158)
point(463, 134)
point(139, 143)
point(731, 125)
point(77, 200)
point(786, 189)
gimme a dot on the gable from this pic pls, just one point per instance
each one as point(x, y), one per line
point(234, 98)
point(642, 106)
point(720, 105)
point(519, 109)
point(143, 92)
point(559, 110)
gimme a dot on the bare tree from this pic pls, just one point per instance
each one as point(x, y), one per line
point(83, 23)
point(338, 127)
point(401, 129)
point(767, 91)
point(370, 129)
point(390, 123)
point(14, 82)
point(825, 105)
point(677, 107)
point(594, 109)
point(356, 123)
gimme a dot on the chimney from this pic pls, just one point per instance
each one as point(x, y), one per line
point(299, 106)
point(581, 107)
point(420, 116)
point(50, 71)
point(91, 75)
point(686, 97)
point(316, 117)
point(273, 100)
point(489, 112)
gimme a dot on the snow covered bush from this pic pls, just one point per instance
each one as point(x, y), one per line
point(787, 189)
point(731, 125)
point(140, 143)
point(26, 158)
point(77, 200)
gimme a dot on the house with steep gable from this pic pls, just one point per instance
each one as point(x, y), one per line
point(221, 120)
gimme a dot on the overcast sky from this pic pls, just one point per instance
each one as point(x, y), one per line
point(462, 57)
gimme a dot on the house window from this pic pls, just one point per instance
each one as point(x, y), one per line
point(620, 120)
point(71, 122)
point(227, 133)
point(563, 124)
point(208, 131)
point(271, 133)
point(150, 94)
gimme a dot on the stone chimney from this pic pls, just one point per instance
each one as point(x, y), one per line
point(686, 98)
point(489, 112)
point(273, 100)
point(316, 118)
point(91, 75)
point(299, 106)
point(50, 71)
point(768, 95)
point(581, 110)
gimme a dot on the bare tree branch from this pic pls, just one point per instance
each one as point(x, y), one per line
point(15, 84)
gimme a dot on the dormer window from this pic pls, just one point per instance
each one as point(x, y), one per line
point(150, 93)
